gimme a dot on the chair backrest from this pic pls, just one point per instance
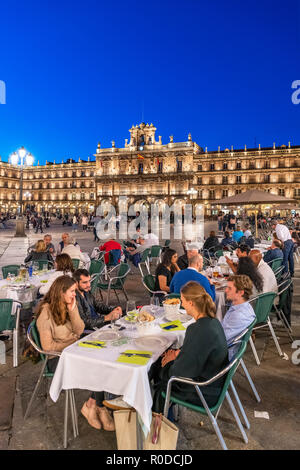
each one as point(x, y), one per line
point(96, 266)
point(43, 264)
point(244, 335)
point(120, 272)
point(233, 366)
point(283, 292)
point(114, 256)
point(94, 281)
point(75, 263)
point(263, 305)
point(35, 336)
point(155, 251)
point(7, 320)
point(276, 263)
point(167, 243)
point(149, 282)
point(10, 268)
point(219, 253)
point(145, 255)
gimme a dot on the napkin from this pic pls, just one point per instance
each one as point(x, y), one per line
point(177, 323)
point(139, 360)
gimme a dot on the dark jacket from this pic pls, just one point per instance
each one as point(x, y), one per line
point(83, 303)
point(211, 242)
point(203, 355)
point(38, 256)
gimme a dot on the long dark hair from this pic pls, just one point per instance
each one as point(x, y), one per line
point(166, 260)
point(247, 267)
point(53, 298)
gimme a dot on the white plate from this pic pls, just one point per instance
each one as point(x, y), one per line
point(106, 335)
point(151, 342)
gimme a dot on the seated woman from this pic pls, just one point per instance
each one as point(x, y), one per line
point(166, 270)
point(203, 354)
point(63, 266)
point(59, 325)
point(40, 253)
point(247, 267)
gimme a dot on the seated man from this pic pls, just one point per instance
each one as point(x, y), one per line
point(64, 242)
point(92, 312)
point(269, 279)
point(134, 254)
point(192, 274)
point(241, 314)
point(241, 251)
point(49, 244)
point(191, 249)
point(247, 231)
point(237, 234)
point(227, 240)
point(274, 251)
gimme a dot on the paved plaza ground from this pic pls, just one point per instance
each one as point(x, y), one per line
point(277, 381)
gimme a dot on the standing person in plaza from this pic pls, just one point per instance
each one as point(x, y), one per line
point(39, 223)
point(60, 325)
point(284, 235)
point(84, 222)
point(232, 221)
point(74, 223)
point(220, 221)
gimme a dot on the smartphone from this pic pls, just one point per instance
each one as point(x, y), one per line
point(170, 327)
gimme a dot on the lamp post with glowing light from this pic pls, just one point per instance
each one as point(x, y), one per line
point(20, 159)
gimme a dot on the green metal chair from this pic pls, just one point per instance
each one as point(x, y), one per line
point(276, 263)
point(75, 263)
point(219, 253)
point(96, 266)
point(167, 243)
point(212, 412)
point(115, 280)
point(145, 261)
point(149, 283)
point(245, 336)
point(262, 308)
point(34, 339)
point(10, 321)
point(155, 253)
point(43, 264)
point(283, 291)
point(10, 268)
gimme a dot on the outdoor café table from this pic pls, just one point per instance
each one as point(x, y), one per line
point(98, 369)
point(25, 293)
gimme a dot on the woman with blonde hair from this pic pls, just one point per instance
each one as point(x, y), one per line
point(203, 354)
point(59, 325)
point(63, 266)
point(39, 253)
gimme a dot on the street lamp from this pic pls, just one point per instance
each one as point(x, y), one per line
point(192, 193)
point(21, 158)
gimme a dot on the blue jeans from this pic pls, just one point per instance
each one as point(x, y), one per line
point(288, 256)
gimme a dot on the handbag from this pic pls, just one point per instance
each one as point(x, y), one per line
point(163, 433)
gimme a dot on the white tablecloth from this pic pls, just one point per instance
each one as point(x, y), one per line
point(25, 296)
point(97, 370)
point(220, 304)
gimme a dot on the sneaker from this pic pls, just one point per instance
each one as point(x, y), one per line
point(117, 404)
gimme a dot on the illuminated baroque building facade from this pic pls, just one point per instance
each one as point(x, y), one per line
point(148, 171)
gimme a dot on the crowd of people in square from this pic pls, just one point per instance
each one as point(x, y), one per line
point(69, 310)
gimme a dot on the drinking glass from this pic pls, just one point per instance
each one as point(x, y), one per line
point(130, 310)
point(35, 266)
point(154, 304)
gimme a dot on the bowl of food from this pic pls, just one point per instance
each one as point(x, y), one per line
point(171, 308)
point(145, 323)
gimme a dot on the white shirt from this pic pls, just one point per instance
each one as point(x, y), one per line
point(45, 288)
point(84, 220)
point(283, 232)
point(151, 239)
point(74, 253)
point(269, 279)
point(247, 233)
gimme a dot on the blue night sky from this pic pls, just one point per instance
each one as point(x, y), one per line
point(79, 72)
